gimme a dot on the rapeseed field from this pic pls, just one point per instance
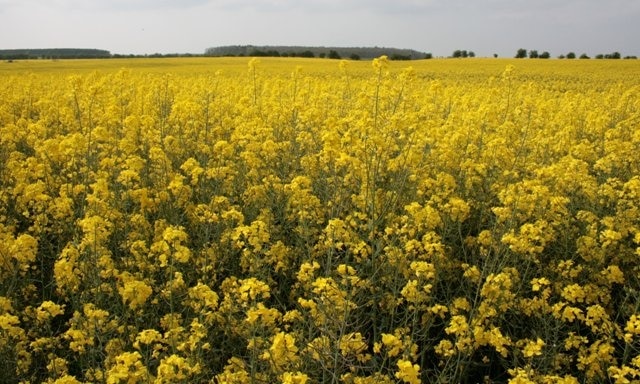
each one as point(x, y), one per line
point(236, 220)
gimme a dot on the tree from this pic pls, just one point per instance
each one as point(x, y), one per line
point(463, 53)
point(53, 53)
point(521, 54)
point(428, 56)
point(571, 55)
point(257, 53)
point(533, 54)
point(495, 55)
point(584, 56)
point(545, 55)
point(396, 56)
point(333, 54)
point(354, 56)
point(599, 56)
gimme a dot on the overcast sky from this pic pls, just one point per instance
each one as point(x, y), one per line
point(437, 26)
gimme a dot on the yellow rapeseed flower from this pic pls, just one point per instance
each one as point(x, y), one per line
point(408, 372)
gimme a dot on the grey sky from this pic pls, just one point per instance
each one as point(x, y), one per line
point(437, 26)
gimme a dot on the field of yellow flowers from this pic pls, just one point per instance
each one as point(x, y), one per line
point(314, 221)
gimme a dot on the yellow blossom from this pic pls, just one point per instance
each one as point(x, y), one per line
point(283, 351)
point(354, 344)
point(408, 372)
point(49, 309)
point(147, 337)
point(294, 378)
point(128, 369)
point(134, 292)
point(533, 348)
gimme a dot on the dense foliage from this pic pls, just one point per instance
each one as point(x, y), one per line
point(356, 223)
point(310, 51)
point(53, 53)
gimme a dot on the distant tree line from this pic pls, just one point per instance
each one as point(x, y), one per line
point(354, 53)
point(338, 53)
point(53, 53)
point(533, 54)
point(462, 53)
